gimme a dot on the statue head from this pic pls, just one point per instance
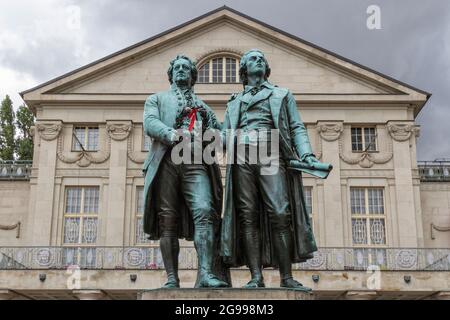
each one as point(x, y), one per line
point(252, 63)
point(182, 70)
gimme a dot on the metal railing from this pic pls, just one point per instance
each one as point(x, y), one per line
point(437, 170)
point(119, 258)
point(15, 169)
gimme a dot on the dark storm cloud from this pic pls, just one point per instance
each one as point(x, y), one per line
point(412, 45)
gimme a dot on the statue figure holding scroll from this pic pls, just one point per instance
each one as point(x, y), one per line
point(265, 222)
point(181, 200)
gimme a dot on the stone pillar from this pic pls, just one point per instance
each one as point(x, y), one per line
point(42, 212)
point(89, 294)
point(402, 134)
point(114, 219)
point(329, 133)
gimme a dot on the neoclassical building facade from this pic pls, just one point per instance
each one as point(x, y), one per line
point(71, 221)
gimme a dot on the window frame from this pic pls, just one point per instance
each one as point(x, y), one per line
point(363, 138)
point(80, 215)
point(86, 137)
point(368, 216)
point(139, 215)
point(224, 58)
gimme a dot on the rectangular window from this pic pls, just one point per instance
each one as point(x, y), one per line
point(368, 219)
point(141, 237)
point(230, 70)
point(87, 136)
point(81, 215)
point(203, 73)
point(364, 139)
point(80, 225)
point(368, 227)
point(217, 70)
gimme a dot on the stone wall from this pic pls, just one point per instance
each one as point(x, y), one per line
point(14, 200)
point(435, 199)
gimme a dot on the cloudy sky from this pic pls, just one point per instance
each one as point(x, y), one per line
point(40, 40)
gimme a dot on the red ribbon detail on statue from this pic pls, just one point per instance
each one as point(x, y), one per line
point(192, 117)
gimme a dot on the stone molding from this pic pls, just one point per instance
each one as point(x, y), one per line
point(12, 227)
point(402, 131)
point(332, 131)
point(328, 131)
point(84, 158)
point(49, 130)
point(119, 130)
point(135, 156)
point(438, 228)
point(365, 159)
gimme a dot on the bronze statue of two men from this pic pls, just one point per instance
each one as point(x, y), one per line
point(265, 222)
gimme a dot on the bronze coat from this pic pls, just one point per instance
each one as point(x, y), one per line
point(294, 144)
point(160, 111)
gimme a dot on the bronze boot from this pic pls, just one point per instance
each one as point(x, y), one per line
point(170, 250)
point(282, 241)
point(204, 244)
point(253, 256)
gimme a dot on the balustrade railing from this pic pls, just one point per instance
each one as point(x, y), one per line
point(437, 170)
point(149, 257)
point(15, 169)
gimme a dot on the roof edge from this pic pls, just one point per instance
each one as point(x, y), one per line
point(428, 95)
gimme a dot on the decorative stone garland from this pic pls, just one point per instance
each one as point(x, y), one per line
point(84, 158)
point(365, 159)
point(135, 156)
point(12, 227)
point(332, 131)
point(327, 132)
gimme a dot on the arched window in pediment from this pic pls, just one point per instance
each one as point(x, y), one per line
point(219, 69)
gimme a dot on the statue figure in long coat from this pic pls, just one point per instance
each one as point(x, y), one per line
point(265, 221)
point(181, 200)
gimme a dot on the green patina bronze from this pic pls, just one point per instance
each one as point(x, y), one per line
point(181, 200)
point(265, 222)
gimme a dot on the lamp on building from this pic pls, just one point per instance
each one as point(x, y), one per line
point(42, 277)
point(407, 279)
point(315, 278)
point(133, 277)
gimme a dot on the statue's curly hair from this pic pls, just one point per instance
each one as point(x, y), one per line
point(193, 66)
point(243, 66)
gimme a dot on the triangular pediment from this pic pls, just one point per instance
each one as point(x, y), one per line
point(296, 64)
